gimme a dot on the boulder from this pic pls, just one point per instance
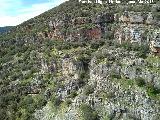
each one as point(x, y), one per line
point(150, 19)
point(71, 67)
point(136, 18)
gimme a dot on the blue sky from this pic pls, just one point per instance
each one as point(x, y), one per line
point(14, 12)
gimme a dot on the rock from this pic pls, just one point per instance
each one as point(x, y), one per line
point(44, 65)
point(71, 67)
point(124, 17)
point(155, 43)
point(150, 19)
point(136, 18)
point(45, 114)
point(47, 94)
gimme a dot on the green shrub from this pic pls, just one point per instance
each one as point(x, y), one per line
point(88, 113)
point(140, 82)
point(73, 94)
point(68, 102)
point(142, 50)
point(88, 89)
point(84, 75)
point(56, 101)
point(96, 45)
point(115, 75)
point(39, 101)
point(152, 91)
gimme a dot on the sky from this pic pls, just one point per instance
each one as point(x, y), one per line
point(14, 12)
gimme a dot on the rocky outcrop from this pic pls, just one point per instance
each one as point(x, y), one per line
point(155, 43)
point(79, 28)
point(122, 101)
point(71, 67)
point(116, 93)
point(136, 27)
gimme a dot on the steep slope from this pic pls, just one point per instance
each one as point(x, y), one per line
point(82, 61)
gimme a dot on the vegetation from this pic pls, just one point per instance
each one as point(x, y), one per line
point(142, 50)
point(88, 89)
point(24, 80)
point(115, 75)
point(73, 94)
point(140, 82)
point(5, 29)
point(152, 91)
point(88, 113)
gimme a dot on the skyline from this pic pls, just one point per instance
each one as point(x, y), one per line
point(14, 12)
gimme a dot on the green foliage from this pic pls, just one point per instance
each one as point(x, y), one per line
point(106, 95)
point(115, 75)
point(142, 50)
point(96, 45)
point(88, 89)
point(21, 52)
point(152, 91)
point(73, 94)
point(140, 82)
point(56, 101)
point(26, 107)
point(87, 26)
point(39, 101)
point(84, 76)
point(88, 113)
point(156, 11)
point(106, 118)
point(68, 102)
point(109, 35)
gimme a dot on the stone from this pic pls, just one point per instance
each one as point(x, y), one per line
point(150, 19)
point(44, 65)
point(136, 18)
point(155, 44)
point(71, 67)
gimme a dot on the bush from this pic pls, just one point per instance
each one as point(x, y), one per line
point(152, 91)
point(115, 75)
point(56, 101)
point(84, 75)
point(68, 102)
point(140, 82)
point(88, 113)
point(88, 89)
point(142, 50)
point(96, 45)
point(73, 94)
point(39, 101)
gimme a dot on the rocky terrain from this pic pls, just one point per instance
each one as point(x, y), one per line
point(83, 62)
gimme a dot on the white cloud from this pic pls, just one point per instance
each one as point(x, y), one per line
point(25, 13)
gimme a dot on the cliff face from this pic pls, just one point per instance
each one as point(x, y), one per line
point(121, 85)
point(133, 102)
point(127, 26)
point(83, 61)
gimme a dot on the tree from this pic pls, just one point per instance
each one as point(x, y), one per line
point(88, 113)
point(88, 89)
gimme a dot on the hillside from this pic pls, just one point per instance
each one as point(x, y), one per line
point(5, 29)
point(83, 62)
